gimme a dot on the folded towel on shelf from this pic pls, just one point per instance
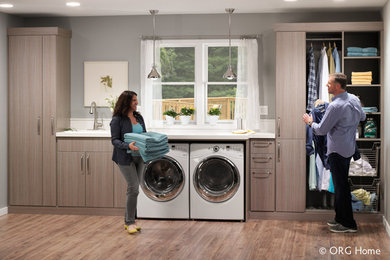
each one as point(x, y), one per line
point(361, 77)
point(363, 73)
point(370, 54)
point(370, 109)
point(370, 49)
point(355, 54)
point(361, 82)
point(354, 49)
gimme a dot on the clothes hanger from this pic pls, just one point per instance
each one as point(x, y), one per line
point(323, 44)
point(311, 45)
point(334, 45)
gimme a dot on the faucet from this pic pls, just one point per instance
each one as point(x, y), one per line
point(93, 111)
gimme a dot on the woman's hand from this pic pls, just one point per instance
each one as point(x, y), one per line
point(133, 147)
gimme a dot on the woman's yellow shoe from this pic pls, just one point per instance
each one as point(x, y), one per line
point(132, 230)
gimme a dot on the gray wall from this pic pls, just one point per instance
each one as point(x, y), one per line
point(118, 38)
point(5, 22)
point(386, 142)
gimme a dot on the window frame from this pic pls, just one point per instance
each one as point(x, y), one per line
point(201, 78)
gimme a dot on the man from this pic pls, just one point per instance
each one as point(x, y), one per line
point(339, 123)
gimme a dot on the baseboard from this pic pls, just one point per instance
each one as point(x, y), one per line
point(3, 211)
point(387, 226)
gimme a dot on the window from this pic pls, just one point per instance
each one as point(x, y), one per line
point(191, 76)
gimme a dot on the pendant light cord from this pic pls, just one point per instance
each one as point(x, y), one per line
point(230, 43)
point(154, 39)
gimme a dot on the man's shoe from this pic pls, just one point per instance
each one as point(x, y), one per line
point(332, 223)
point(341, 229)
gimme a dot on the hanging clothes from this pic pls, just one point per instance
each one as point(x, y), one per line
point(323, 75)
point(332, 67)
point(311, 81)
point(336, 58)
point(310, 152)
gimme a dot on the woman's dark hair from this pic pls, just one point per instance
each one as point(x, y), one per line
point(122, 106)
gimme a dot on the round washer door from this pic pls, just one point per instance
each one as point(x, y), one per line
point(216, 179)
point(163, 179)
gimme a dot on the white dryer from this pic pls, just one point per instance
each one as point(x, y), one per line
point(217, 176)
point(164, 191)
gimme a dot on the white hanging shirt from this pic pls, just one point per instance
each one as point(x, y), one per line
point(324, 76)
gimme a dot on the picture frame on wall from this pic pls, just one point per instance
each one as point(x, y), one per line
point(104, 80)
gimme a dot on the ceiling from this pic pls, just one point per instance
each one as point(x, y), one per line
point(141, 7)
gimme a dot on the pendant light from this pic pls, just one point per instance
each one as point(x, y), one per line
point(154, 73)
point(229, 74)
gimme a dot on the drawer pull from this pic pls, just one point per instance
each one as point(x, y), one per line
point(261, 174)
point(261, 160)
point(262, 145)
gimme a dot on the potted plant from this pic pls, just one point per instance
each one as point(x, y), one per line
point(185, 114)
point(214, 113)
point(111, 101)
point(170, 116)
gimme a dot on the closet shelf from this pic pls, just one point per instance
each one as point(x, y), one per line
point(368, 139)
point(323, 39)
point(373, 113)
point(359, 86)
point(362, 57)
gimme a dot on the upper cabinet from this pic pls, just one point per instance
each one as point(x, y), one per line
point(39, 105)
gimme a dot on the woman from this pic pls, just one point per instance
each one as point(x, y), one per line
point(127, 120)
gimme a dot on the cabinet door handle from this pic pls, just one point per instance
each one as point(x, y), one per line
point(52, 125)
point(261, 160)
point(39, 125)
point(278, 151)
point(88, 172)
point(82, 164)
point(261, 174)
point(278, 126)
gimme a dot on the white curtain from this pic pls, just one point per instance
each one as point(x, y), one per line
point(151, 89)
point(247, 105)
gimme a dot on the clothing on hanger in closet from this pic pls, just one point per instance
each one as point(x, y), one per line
point(323, 75)
point(336, 58)
point(311, 81)
point(332, 67)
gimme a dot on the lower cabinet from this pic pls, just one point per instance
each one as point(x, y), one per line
point(120, 188)
point(85, 173)
point(262, 175)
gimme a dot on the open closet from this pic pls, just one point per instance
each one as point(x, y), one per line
point(359, 50)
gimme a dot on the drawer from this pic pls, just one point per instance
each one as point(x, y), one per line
point(261, 173)
point(262, 161)
point(84, 144)
point(262, 190)
point(262, 146)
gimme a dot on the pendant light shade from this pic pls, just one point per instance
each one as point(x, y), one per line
point(154, 73)
point(229, 74)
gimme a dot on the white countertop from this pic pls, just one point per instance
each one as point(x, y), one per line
point(173, 134)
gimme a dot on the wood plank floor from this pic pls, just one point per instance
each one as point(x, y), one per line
point(31, 236)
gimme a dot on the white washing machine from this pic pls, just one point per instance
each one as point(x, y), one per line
point(164, 191)
point(217, 181)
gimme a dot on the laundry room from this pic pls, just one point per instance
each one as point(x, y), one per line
point(194, 130)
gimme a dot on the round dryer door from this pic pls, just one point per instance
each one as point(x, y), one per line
point(163, 179)
point(216, 179)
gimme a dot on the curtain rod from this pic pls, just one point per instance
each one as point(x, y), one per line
point(200, 37)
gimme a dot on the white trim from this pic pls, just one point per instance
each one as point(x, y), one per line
point(3, 211)
point(387, 226)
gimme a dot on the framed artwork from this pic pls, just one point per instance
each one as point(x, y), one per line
point(104, 79)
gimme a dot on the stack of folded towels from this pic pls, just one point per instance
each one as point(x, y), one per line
point(151, 145)
point(361, 52)
point(361, 78)
point(370, 109)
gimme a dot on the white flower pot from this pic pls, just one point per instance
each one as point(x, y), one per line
point(170, 120)
point(213, 120)
point(185, 120)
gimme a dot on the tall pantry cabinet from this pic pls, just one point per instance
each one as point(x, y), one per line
point(39, 105)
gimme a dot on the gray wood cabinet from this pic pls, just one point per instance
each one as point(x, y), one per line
point(290, 130)
point(85, 173)
point(39, 104)
point(262, 175)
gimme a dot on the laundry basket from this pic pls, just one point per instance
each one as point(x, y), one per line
point(368, 164)
point(373, 187)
